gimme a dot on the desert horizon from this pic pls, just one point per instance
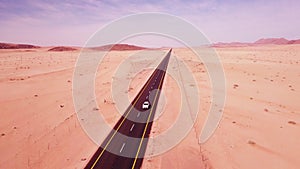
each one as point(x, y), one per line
point(126, 46)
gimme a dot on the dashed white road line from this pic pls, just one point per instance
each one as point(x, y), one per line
point(139, 113)
point(131, 127)
point(122, 147)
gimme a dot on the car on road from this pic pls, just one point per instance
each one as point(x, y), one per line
point(146, 105)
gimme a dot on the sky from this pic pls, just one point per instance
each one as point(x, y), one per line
point(72, 22)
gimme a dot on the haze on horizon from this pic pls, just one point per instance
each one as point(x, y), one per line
point(64, 22)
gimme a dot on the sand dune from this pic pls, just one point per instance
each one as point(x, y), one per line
point(62, 48)
point(119, 47)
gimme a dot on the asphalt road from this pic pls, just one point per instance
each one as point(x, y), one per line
point(126, 144)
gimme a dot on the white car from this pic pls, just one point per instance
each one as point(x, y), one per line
point(146, 105)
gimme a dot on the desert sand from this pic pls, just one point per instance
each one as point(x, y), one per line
point(260, 127)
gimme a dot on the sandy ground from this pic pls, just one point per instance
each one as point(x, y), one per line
point(259, 129)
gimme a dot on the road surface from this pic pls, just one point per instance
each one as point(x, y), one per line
point(125, 146)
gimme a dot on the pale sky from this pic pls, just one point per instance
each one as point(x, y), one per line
point(71, 22)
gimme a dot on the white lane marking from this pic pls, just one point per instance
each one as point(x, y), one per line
point(131, 127)
point(122, 147)
point(139, 113)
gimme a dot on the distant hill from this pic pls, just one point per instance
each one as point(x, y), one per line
point(276, 41)
point(294, 41)
point(62, 48)
point(263, 41)
point(120, 47)
point(17, 46)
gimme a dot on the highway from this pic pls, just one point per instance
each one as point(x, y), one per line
point(119, 152)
